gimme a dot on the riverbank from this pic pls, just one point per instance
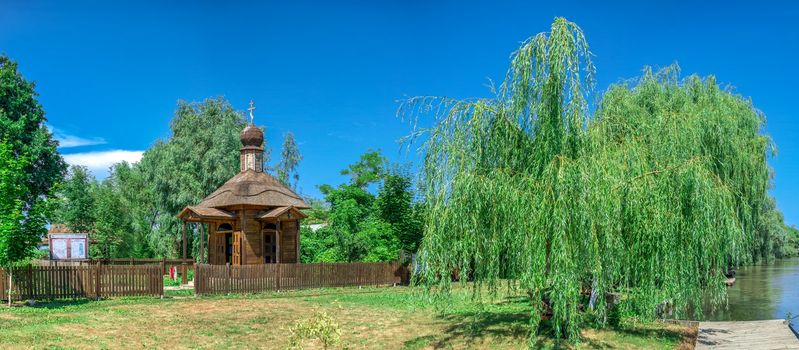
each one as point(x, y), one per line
point(368, 318)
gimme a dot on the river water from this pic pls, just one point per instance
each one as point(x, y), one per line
point(763, 292)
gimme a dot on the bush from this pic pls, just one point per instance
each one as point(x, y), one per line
point(321, 327)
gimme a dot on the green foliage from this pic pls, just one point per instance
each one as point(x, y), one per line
point(76, 202)
point(369, 169)
point(349, 209)
point(112, 225)
point(312, 244)
point(789, 246)
point(319, 212)
point(379, 241)
point(321, 327)
point(28, 149)
point(290, 158)
point(689, 177)
point(362, 226)
point(135, 198)
point(13, 248)
point(395, 206)
point(781, 240)
point(652, 199)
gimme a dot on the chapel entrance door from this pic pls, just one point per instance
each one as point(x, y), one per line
point(270, 252)
point(236, 248)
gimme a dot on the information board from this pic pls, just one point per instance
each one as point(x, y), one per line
point(69, 246)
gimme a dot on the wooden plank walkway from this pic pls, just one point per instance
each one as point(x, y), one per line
point(749, 335)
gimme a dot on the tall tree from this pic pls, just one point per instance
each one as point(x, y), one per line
point(39, 166)
point(369, 169)
point(652, 199)
point(136, 197)
point(113, 229)
point(14, 239)
point(76, 204)
point(290, 158)
point(395, 206)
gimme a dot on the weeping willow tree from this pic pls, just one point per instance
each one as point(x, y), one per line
point(641, 207)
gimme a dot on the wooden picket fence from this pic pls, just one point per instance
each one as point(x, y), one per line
point(210, 279)
point(167, 263)
point(68, 282)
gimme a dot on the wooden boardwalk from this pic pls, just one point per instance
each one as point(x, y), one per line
point(749, 335)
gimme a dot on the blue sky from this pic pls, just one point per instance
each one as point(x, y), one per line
point(110, 73)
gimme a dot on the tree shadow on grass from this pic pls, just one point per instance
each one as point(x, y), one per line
point(502, 321)
point(509, 322)
point(684, 338)
point(57, 304)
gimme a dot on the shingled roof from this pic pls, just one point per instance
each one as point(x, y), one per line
point(251, 187)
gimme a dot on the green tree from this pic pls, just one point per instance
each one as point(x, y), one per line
point(15, 241)
point(76, 200)
point(651, 199)
point(290, 158)
point(136, 199)
point(319, 212)
point(378, 239)
point(790, 247)
point(362, 227)
point(37, 168)
point(395, 206)
point(114, 236)
point(369, 169)
point(349, 207)
point(774, 238)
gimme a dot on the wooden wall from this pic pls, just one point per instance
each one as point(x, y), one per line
point(288, 242)
point(251, 240)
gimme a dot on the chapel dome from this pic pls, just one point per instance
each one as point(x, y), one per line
point(252, 136)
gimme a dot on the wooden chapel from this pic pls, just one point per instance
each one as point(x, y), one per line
point(252, 218)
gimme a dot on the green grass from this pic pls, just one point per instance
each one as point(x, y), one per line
point(369, 318)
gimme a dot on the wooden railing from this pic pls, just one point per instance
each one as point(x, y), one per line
point(96, 281)
point(210, 279)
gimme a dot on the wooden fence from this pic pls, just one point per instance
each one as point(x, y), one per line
point(60, 282)
point(209, 279)
point(119, 261)
point(183, 265)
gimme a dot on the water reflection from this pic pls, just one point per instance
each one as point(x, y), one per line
point(761, 293)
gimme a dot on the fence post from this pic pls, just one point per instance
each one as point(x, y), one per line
point(30, 282)
point(277, 281)
point(161, 277)
point(184, 269)
point(227, 280)
point(10, 272)
point(97, 282)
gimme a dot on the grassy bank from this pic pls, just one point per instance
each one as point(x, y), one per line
point(369, 318)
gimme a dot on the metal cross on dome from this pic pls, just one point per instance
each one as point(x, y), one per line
point(252, 108)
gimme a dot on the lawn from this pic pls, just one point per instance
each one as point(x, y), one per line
point(368, 318)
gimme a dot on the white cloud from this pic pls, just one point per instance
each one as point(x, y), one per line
point(66, 140)
point(99, 162)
